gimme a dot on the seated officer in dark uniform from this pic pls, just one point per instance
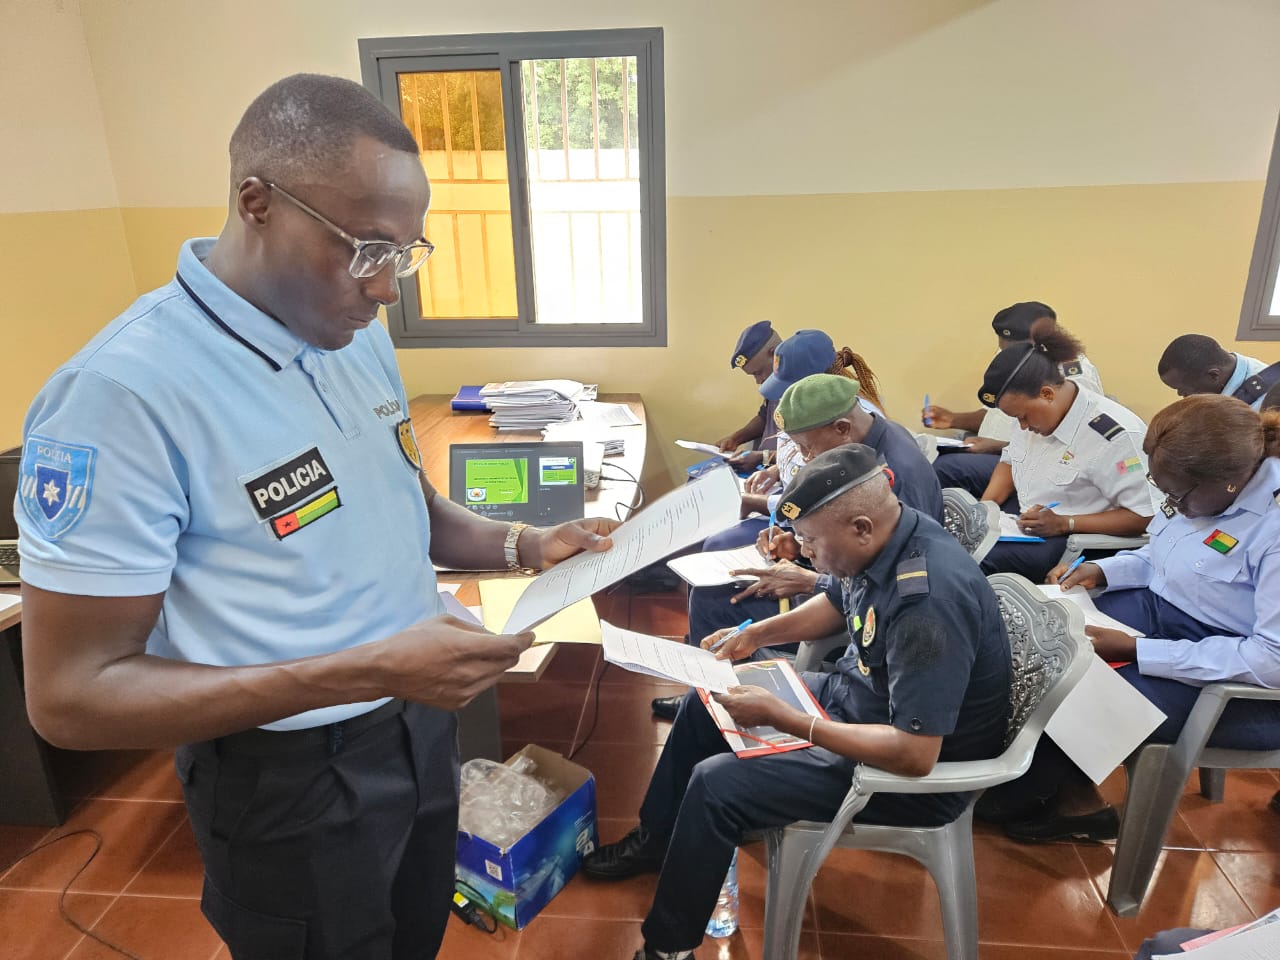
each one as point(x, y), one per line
point(753, 355)
point(925, 678)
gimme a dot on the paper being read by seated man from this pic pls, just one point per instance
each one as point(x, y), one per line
point(227, 540)
point(925, 678)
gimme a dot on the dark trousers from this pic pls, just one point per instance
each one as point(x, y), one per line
point(705, 799)
point(1167, 941)
point(709, 607)
point(342, 851)
point(1031, 560)
point(969, 471)
point(1244, 724)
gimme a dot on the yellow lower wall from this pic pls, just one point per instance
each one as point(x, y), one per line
point(64, 275)
point(910, 280)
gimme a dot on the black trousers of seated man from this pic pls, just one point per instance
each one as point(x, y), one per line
point(344, 852)
point(704, 799)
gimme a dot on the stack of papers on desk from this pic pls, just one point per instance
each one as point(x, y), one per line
point(613, 444)
point(532, 404)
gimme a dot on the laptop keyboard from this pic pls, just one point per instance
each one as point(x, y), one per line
point(9, 557)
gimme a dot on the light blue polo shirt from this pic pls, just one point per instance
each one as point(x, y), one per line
point(264, 485)
point(1246, 367)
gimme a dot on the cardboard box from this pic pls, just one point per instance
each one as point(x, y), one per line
point(517, 882)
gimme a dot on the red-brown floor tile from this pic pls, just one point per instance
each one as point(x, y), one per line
point(1244, 821)
point(747, 944)
point(465, 942)
point(1179, 834)
point(541, 710)
point(586, 897)
point(1188, 890)
point(875, 893)
point(17, 840)
point(660, 616)
point(573, 663)
point(1255, 876)
point(556, 938)
point(626, 714)
point(132, 831)
point(152, 927)
point(1048, 884)
point(175, 870)
point(882, 948)
point(622, 774)
point(1004, 951)
point(31, 927)
point(119, 775)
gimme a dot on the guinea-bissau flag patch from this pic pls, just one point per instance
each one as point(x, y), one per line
point(309, 512)
point(1222, 542)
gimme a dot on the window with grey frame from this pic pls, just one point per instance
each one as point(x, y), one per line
point(545, 153)
point(1260, 315)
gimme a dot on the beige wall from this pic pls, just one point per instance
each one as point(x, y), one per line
point(892, 173)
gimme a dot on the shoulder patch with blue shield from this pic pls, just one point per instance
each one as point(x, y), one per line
point(55, 483)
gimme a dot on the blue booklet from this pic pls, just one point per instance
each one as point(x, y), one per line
point(468, 398)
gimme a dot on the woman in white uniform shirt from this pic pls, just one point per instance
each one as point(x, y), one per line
point(1075, 460)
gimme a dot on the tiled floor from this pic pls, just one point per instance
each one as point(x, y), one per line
point(1036, 903)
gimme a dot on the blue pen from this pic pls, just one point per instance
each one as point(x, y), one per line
point(773, 522)
point(928, 420)
point(1074, 563)
point(731, 634)
point(1050, 506)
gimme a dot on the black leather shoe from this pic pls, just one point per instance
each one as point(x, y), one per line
point(648, 953)
point(1102, 824)
point(638, 852)
point(666, 708)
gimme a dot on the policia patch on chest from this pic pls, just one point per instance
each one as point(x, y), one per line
point(294, 494)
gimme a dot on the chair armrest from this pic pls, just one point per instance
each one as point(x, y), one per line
point(1104, 541)
point(1205, 712)
point(954, 777)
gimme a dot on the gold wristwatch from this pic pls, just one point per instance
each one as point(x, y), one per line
point(510, 546)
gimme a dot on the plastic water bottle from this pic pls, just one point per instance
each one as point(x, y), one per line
point(724, 919)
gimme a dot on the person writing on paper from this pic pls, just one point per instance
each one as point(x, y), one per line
point(753, 355)
point(227, 538)
point(1204, 595)
point(1072, 447)
point(925, 678)
point(1194, 363)
point(971, 467)
point(817, 413)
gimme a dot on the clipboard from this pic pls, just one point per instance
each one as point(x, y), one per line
point(779, 677)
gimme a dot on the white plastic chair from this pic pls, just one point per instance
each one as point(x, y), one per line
point(1050, 654)
point(1157, 773)
point(928, 445)
point(975, 523)
point(1078, 543)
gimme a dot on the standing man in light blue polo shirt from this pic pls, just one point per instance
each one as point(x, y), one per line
point(227, 541)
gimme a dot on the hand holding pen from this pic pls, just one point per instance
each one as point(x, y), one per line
point(725, 642)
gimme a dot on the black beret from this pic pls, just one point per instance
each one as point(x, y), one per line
point(827, 476)
point(1002, 370)
point(1014, 322)
point(750, 342)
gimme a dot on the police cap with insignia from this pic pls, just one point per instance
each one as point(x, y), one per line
point(803, 354)
point(816, 401)
point(826, 477)
point(750, 342)
point(1014, 322)
point(1007, 364)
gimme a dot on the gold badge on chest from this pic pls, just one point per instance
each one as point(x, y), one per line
point(409, 443)
point(869, 627)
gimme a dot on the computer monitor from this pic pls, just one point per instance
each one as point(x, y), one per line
point(536, 483)
point(10, 460)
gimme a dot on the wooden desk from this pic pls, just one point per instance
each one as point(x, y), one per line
point(436, 426)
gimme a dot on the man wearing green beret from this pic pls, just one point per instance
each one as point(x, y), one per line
point(925, 679)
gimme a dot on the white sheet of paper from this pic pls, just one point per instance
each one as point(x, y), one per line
point(607, 414)
point(667, 659)
point(1102, 721)
point(1009, 531)
point(703, 448)
point(683, 516)
point(1093, 617)
point(712, 568)
point(453, 606)
point(950, 442)
point(8, 600)
point(1258, 943)
point(448, 587)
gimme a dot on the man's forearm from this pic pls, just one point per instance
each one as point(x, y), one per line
point(461, 539)
point(969, 422)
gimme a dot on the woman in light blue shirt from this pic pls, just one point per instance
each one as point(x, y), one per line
point(1203, 597)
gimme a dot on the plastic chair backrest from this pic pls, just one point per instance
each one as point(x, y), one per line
point(969, 521)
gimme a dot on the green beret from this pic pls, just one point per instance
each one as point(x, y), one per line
point(816, 401)
point(827, 476)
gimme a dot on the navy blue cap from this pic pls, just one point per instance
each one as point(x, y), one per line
point(752, 340)
point(799, 356)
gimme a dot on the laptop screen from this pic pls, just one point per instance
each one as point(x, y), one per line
point(537, 483)
point(9, 463)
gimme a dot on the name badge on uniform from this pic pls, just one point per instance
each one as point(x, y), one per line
point(55, 483)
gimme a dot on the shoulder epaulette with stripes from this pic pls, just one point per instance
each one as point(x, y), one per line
point(1106, 426)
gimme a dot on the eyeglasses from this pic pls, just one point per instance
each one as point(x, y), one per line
point(371, 256)
point(1172, 499)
